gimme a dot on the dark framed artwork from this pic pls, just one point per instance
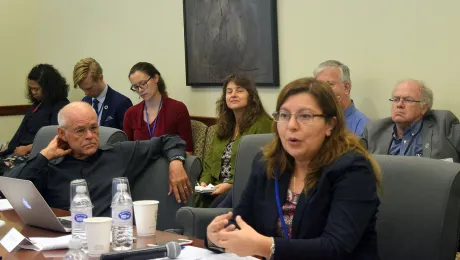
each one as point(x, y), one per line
point(231, 36)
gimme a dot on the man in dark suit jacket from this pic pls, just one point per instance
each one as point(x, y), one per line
point(413, 128)
point(110, 105)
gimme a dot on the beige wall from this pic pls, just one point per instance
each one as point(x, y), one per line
point(381, 41)
point(17, 56)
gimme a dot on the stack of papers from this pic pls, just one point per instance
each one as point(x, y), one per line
point(208, 189)
point(47, 243)
point(4, 146)
point(5, 205)
point(14, 239)
point(194, 253)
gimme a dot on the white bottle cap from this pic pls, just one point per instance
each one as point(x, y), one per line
point(122, 187)
point(81, 189)
point(75, 243)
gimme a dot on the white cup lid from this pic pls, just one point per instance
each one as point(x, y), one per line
point(81, 189)
point(122, 187)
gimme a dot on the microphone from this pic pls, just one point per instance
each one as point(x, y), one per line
point(170, 250)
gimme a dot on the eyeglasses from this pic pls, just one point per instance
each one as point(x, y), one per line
point(303, 118)
point(331, 84)
point(34, 89)
point(142, 85)
point(80, 131)
point(404, 100)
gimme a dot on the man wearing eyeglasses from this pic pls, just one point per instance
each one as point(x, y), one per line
point(337, 76)
point(413, 128)
point(75, 154)
point(110, 105)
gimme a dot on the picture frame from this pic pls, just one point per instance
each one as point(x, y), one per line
point(225, 37)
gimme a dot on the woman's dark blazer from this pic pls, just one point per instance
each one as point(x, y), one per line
point(334, 220)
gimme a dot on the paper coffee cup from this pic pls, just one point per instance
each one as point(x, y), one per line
point(145, 213)
point(98, 232)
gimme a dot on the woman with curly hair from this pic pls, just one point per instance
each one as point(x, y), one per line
point(240, 112)
point(47, 91)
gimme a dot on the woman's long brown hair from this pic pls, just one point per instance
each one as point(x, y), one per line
point(226, 121)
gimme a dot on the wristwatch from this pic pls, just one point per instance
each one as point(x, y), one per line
point(272, 250)
point(177, 157)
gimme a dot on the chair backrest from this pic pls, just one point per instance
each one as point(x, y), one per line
point(248, 148)
point(44, 136)
point(420, 203)
point(153, 185)
point(210, 133)
point(419, 212)
point(363, 142)
point(199, 137)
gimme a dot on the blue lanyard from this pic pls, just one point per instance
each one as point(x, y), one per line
point(155, 121)
point(280, 211)
point(100, 110)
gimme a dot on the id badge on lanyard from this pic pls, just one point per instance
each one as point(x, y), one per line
point(152, 132)
point(280, 210)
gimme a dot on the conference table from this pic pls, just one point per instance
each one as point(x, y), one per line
point(12, 220)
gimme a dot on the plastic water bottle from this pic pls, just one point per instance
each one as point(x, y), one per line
point(75, 252)
point(80, 208)
point(122, 219)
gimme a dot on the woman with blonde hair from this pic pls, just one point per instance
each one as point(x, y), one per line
point(312, 193)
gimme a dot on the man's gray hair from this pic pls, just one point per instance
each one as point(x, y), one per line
point(61, 118)
point(426, 93)
point(344, 70)
point(71, 109)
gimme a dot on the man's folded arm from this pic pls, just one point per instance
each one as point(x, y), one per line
point(173, 146)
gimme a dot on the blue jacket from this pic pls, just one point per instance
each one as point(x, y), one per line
point(46, 114)
point(115, 106)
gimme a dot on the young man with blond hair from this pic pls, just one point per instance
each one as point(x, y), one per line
point(110, 105)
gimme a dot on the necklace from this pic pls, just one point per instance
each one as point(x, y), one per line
point(295, 186)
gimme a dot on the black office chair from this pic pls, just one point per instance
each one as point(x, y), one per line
point(418, 216)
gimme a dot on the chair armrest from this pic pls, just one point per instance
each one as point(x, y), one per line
point(193, 167)
point(194, 221)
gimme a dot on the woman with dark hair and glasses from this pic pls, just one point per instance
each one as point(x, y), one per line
point(239, 112)
point(157, 114)
point(47, 91)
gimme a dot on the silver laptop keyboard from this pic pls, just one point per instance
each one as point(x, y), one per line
point(66, 223)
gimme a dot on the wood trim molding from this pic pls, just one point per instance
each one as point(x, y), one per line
point(21, 110)
point(209, 121)
point(13, 110)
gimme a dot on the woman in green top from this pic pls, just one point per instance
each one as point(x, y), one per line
point(240, 112)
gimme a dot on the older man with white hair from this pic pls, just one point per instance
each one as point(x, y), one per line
point(337, 75)
point(75, 154)
point(413, 128)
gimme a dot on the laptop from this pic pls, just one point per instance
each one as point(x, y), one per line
point(30, 205)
